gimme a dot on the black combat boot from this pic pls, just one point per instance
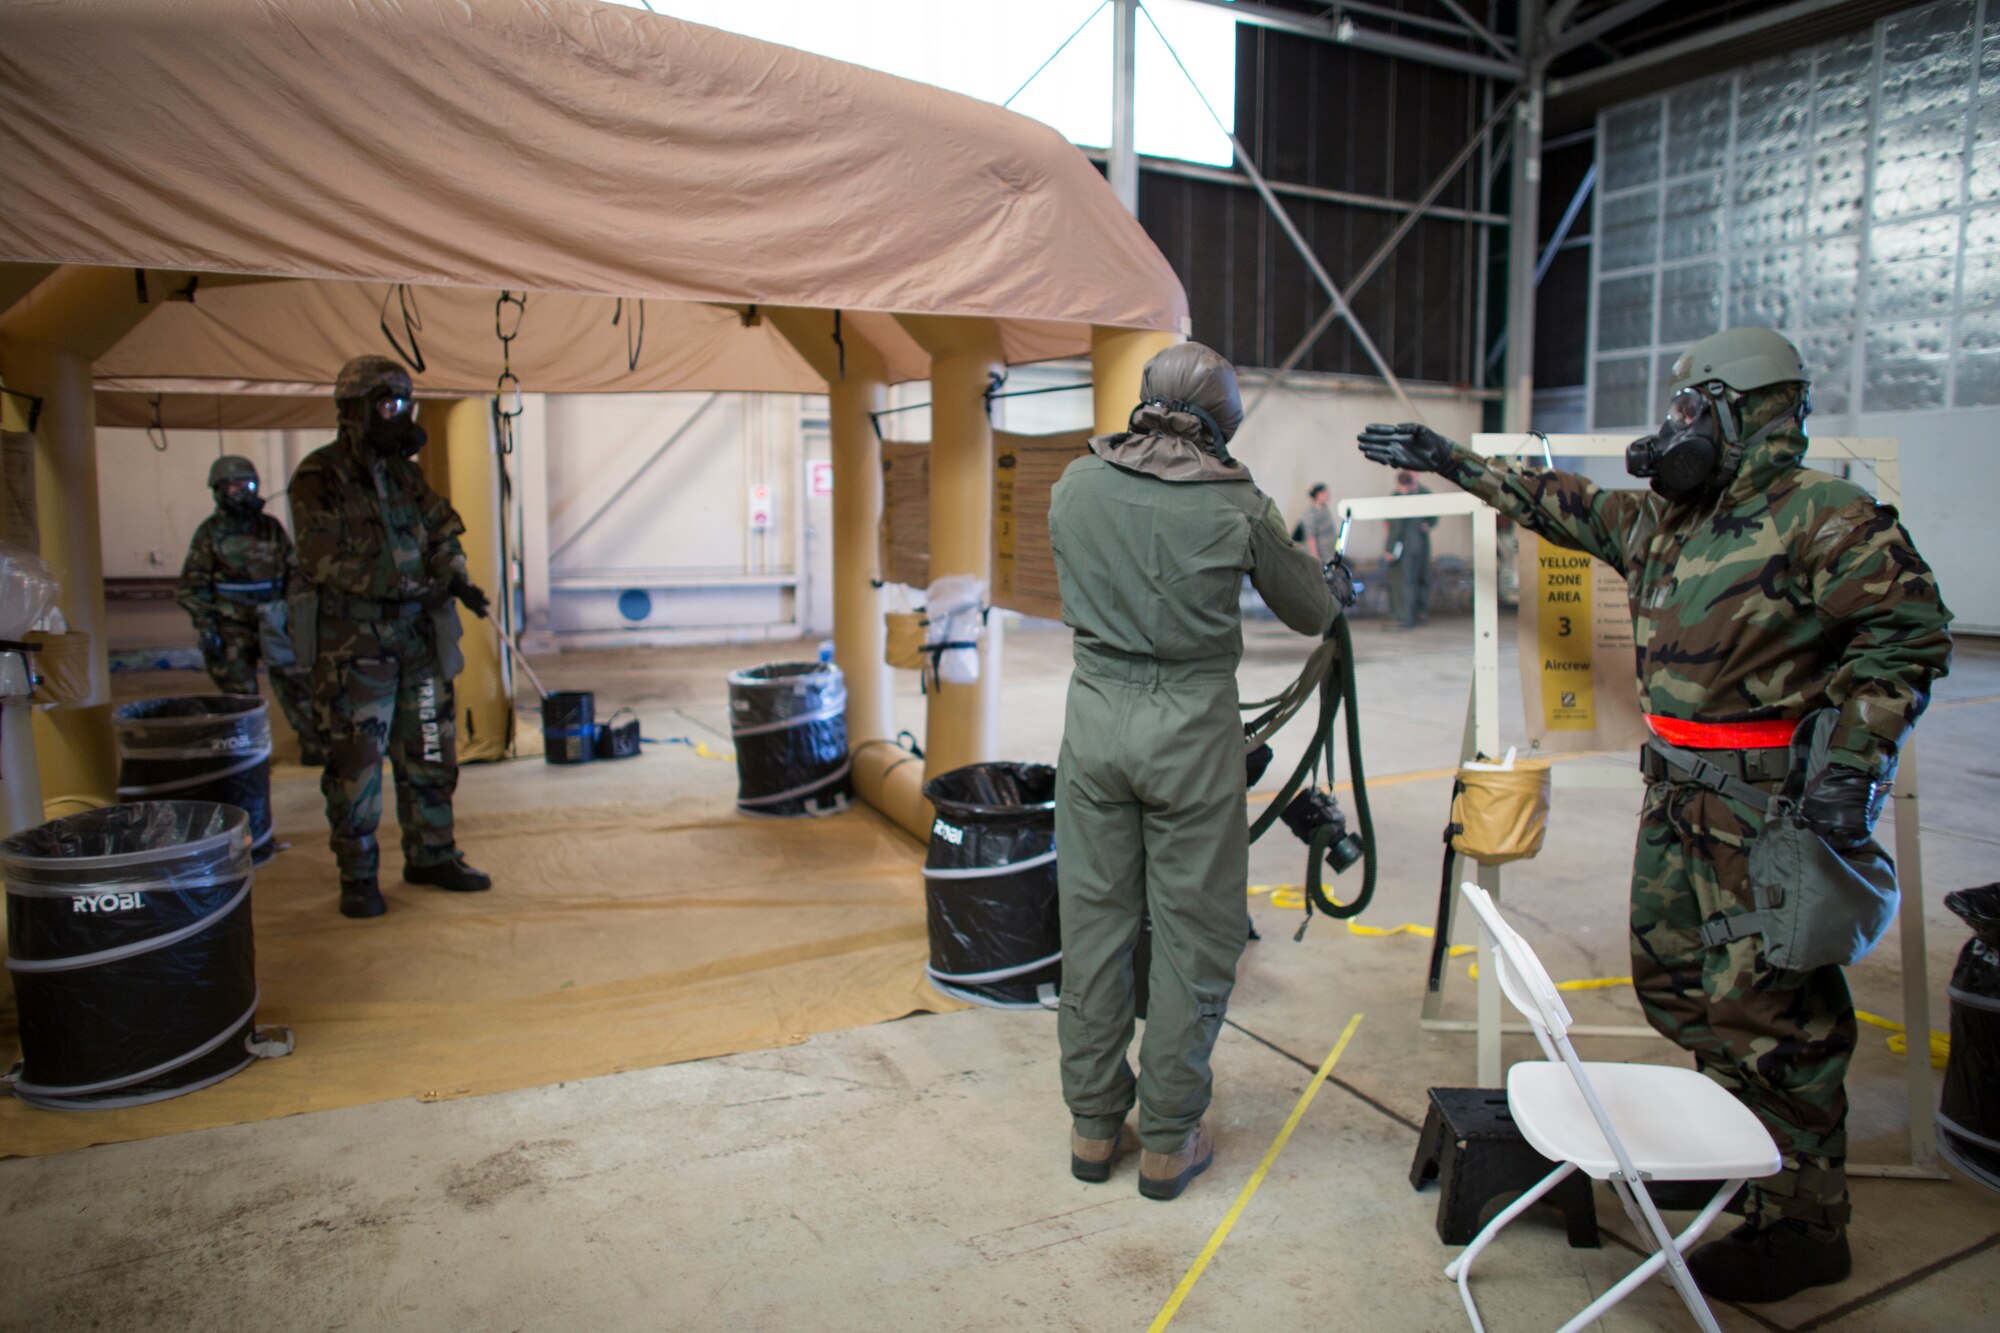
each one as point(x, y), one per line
point(453, 876)
point(361, 897)
point(1770, 1261)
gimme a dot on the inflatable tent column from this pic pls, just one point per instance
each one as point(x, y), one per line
point(883, 777)
point(1117, 359)
point(460, 461)
point(962, 723)
point(48, 341)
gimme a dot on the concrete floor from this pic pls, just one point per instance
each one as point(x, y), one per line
point(911, 1175)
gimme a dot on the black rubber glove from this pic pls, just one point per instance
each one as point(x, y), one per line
point(471, 597)
point(209, 638)
point(1340, 582)
point(1412, 446)
point(1842, 804)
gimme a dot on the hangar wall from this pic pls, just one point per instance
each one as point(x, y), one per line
point(1847, 194)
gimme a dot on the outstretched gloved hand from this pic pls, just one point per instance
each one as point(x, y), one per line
point(1842, 804)
point(1410, 445)
point(1340, 581)
point(471, 597)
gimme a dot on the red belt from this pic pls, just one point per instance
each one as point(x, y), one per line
point(1723, 735)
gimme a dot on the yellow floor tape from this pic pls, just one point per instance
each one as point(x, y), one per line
point(1293, 898)
point(1228, 1222)
point(1290, 897)
point(1899, 1041)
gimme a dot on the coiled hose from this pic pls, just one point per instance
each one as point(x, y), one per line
point(1329, 672)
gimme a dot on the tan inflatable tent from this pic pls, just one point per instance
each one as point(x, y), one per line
point(214, 196)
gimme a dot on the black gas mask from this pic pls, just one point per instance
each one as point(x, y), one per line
point(1695, 448)
point(389, 424)
point(239, 499)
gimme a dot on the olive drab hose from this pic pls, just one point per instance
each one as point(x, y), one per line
point(1329, 672)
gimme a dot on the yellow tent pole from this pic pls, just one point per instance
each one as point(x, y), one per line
point(1117, 357)
point(884, 777)
point(962, 721)
point(48, 340)
point(462, 462)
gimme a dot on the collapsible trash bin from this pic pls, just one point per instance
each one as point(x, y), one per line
point(1968, 1117)
point(789, 722)
point(129, 946)
point(204, 747)
point(990, 886)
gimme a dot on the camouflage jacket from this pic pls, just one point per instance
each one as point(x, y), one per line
point(233, 565)
point(1790, 591)
point(372, 528)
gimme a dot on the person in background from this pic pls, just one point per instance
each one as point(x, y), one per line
point(1408, 557)
point(233, 585)
point(1320, 531)
point(1154, 531)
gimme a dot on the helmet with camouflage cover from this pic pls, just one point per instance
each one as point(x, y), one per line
point(231, 467)
point(1744, 359)
point(363, 375)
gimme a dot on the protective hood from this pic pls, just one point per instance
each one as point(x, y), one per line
point(1767, 459)
point(1188, 410)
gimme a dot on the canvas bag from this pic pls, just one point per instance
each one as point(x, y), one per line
point(1814, 904)
point(1500, 812)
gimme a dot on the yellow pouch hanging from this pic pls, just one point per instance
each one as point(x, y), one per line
point(904, 643)
point(1500, 812)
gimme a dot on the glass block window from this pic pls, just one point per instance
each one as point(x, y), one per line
point(1847, 195)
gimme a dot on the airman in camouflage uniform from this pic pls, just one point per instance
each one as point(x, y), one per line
point(1761, 591)
point(380, 549)
point(235, 574)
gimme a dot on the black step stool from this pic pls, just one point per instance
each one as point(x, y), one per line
point(1470, 1144)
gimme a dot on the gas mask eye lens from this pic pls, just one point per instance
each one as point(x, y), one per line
point(1686, 407)
point(393, 406)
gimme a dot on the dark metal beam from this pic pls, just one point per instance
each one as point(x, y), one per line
point(1480, 30)
point(1195, 171)
point(1338, 28)
point(1694, 47)
point(1590, 29)
point(1388, 247)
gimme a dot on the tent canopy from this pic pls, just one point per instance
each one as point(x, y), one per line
point(577, 151)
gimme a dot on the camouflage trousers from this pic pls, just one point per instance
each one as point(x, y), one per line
point(1779, 1040)
point(388, 700)
point(231, 654)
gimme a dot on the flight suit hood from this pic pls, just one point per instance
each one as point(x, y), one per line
point(1189, 408)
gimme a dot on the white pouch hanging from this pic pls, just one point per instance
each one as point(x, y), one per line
point(956, 608)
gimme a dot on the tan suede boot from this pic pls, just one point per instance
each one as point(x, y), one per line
point(1163, 1175)
point(1091, 1159)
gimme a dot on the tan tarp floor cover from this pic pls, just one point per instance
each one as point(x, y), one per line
point(612, 940)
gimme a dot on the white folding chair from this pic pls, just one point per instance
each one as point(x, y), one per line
point(1627, 1124)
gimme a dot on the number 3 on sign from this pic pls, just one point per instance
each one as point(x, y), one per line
point(1562, 631)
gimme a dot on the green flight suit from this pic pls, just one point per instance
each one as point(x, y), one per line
point(1150, 787)
point(1790, 591)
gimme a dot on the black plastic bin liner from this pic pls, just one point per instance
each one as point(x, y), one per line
point(990, 885)
point(1969, 1109)
point(201, 747)
point(130, 948)
point(789, 723)
point(569, 727)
